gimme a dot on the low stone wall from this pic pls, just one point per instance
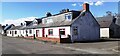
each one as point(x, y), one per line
point(49, 39)
point(58, 40)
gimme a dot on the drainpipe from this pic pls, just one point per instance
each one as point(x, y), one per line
point(34, 34)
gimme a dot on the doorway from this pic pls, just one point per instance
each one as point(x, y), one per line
point(37, 33)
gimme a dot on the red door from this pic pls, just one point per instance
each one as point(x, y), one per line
point(37, 32)
point(43, 32)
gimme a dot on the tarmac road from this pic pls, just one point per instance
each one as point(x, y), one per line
point(26, 46)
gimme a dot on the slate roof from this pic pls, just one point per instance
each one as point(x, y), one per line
point(58, 22)
point(39, 20)
point(118, 20)
point(61, 22)
point(105, 21)
point(15, 27)
point(28, 22)
point(8, 27)
point(61, 13)
point(104, 24)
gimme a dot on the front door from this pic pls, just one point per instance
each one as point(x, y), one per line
point(62, 33)
point(37, 33)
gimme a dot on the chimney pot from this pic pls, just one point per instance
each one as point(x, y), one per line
point(86, 6)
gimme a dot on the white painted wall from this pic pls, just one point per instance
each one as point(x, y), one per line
point(22, 32)
point(8, 34)
point(104, 32)
point(2, 32)
point(18, 33)
point(30, 34)
point(56, 31)
point(14, 35)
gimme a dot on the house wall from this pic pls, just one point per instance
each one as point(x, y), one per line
point(115, 30)
point(18, 33)
point(30, 34)
point(56, 32)
point(88, 28)
point(8, 34)
point(14, 35)
point(2, 32)
point(22, 33)
point(104, 32)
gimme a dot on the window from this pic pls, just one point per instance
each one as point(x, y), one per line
point(49, 20)
point(68, 16)
point(75, 30)
point(15, 32)
point(30, 31)
point(10, 32)
point(62, 31)
point(50, 32)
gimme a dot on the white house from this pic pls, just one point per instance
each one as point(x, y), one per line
point(14, 31)
point(6, 29)
point(28, 30)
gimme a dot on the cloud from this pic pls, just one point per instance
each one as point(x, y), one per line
point(99, 3)
point(74, 4)
point(91, 3)
point(18, 21)
point(79, 4)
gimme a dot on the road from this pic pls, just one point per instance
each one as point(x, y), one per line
point(26, 46)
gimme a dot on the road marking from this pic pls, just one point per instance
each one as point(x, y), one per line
point(115, 50)
point(110, 48)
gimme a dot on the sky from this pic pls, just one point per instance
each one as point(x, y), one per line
point(17, 12)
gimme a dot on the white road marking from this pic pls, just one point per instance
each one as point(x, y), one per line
point(110, 48)
point(115, 50)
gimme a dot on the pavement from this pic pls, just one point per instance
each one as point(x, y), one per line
point(12, 45)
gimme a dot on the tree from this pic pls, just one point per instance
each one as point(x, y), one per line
point(109, 13)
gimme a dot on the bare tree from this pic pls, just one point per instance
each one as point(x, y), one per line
point(109, 13)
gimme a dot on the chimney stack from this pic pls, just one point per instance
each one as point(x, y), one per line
point(48, 14)
point(86, 6)
point(67, 10)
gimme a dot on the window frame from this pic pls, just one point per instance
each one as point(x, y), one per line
point(49, 32)
point(15, 32)
point(75, 32)
point(68, 15)
point(30, 31)
point(63, 30)
point(10, 32)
